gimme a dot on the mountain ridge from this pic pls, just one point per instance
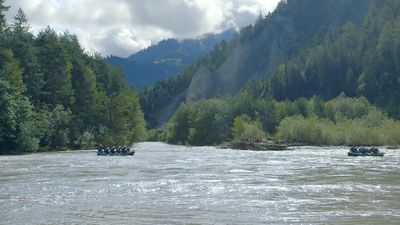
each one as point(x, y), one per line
point(165, 59)
point(270, 42)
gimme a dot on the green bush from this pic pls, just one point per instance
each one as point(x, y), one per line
point(373, 128)
point(246, 130)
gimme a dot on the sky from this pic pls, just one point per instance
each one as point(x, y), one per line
point(123, 27)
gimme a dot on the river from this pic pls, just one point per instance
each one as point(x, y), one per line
point(167, 184)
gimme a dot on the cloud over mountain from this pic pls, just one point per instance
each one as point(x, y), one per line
point(122, 27)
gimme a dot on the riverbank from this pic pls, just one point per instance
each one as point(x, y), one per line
point(274, 145)
point(263, 145)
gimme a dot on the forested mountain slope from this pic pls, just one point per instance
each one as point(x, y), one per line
point(166, 58)
point(358, 59)
point(288, 34)
point(331, 75)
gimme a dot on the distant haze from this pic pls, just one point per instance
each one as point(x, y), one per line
point(123, 27)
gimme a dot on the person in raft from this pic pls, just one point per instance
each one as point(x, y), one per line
point(101, 148)
point(374, 150)
point(353, 149)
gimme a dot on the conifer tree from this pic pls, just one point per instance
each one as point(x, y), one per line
point(56, 69)
point(21, 42)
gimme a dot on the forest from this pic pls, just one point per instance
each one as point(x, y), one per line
point(343, 90)
point(336, 87)
point(340, 121)
point(54, 96)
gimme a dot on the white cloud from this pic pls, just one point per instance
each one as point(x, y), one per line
point(123, 27)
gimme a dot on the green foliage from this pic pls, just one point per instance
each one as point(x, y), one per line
point(214, 59)
point(155, 135)
point(21, 128)
point(53, 95)
point(154, 99)
point(340, 121)
point(359, 58)
point(206, 122)
point(246, 130)
point(342, 108)
point(21, 42)
point(3, 8)
point(178, 127)
point(308, 130)
point(56, 69)
point(331, 85)
point(59, 120)
point(209, 122)
point(256, 108)
point(365, 127)
point(238, 125)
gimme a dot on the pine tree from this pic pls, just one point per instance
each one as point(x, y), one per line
point(21, 42)
point(56, 69)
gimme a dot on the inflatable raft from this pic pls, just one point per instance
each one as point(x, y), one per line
point(130, 152)
point(365, 154)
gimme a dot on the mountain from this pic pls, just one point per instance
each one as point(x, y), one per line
point(296, 25)
point(256, 52)
point(166, 58)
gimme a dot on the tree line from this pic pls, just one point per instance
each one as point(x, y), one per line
point(56, 96)
point(344, 90)
point(359, 60)
point(340, 121)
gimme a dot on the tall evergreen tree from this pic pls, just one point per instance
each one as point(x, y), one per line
point(56, 69)
point(3, 9)
point(21, 42)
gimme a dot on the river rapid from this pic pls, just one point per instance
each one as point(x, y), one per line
point(167, 184)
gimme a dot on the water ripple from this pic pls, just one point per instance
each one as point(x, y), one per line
point(166, 184)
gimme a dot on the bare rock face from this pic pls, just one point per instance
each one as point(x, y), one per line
point(201, 86)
